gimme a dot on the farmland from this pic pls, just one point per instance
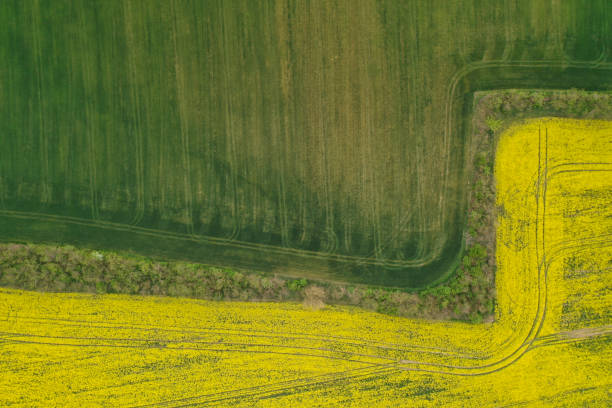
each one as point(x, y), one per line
point(312, 139)
point(549, 345)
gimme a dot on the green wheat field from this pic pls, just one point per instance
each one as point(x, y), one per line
point(320, 139)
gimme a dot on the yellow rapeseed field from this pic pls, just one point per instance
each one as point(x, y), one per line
point(550, 344)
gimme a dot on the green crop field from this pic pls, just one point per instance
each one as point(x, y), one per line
point(320, 139)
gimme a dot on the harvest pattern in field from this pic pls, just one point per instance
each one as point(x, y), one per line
point(318, 139)
point(549, 345)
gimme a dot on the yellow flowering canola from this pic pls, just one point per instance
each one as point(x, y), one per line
point(549, 345)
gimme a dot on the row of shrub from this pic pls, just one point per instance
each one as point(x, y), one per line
point(53, 268)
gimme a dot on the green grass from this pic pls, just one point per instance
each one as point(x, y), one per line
point(315, 139)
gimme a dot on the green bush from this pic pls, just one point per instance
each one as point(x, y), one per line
point(100, 288)
point(481, 160)
point(297, 285)
point(475, 318)
point(477, 252)
point(494, 124)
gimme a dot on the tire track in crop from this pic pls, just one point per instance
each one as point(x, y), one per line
point(229, 121)
point(556, 166)
point(43, 140)
point(90, 129)
point(508, 48)
point(270, 393)
point(578, 167)
point(283, 32)
point(558, 247)
point(253, 334)
point(136, 116)
point(367, 371)
point(188, 348)
point(280, 386)
point(605, 38)
point(123, 341)
point(367, 134)
point(573, 336)
point(205, 239)
point(72, 360)
point(584, 171)
point(183, 123)
point(418, 150)
point(581, 390)
point(538, 189)
point(323, 162)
